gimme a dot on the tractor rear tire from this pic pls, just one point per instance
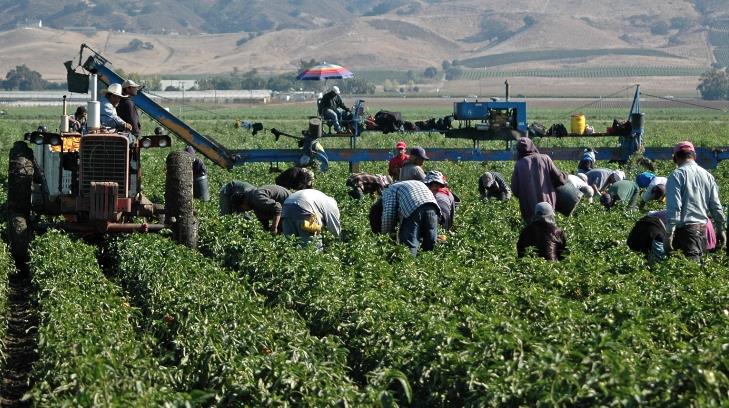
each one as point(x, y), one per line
point(20, 180)
point(179, 211)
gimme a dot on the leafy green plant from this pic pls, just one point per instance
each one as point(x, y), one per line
point(88, 349)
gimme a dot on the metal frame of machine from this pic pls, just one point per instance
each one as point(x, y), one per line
point(477, 122)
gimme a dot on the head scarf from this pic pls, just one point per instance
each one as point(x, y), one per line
point(525, 147)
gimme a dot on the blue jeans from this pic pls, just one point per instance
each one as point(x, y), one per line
point(333, 116)
point(421, 225)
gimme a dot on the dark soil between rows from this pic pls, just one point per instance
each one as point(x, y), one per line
point(21, 339)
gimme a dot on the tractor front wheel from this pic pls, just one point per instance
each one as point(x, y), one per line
point(20, 181)
point(179, 211)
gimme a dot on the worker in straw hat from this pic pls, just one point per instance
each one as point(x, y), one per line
point(691, 196)
point(109, 117)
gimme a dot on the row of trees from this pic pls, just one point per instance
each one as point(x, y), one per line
point(22, 78)
point(713, 85)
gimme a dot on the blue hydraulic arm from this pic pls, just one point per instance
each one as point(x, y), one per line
point(204, 144)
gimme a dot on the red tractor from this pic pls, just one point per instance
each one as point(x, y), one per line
point(92, 184)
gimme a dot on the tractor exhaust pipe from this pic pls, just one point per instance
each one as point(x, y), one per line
point(93, 107)
point(506, 84)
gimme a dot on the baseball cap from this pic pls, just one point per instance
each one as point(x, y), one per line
point(685, 146)
point(619, 175)
point(335, 89)
point(435, 177)
point(401, 145)
point(129, 83)
point(582, 177)
point(419, 152)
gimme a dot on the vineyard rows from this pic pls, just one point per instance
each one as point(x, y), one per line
point(588, 72)
point(543, 55)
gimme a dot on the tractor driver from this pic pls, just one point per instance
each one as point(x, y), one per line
point(331, 108)
point(109, 117)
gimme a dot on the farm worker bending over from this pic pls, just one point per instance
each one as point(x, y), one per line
point(625, 191)
point(412, 169)
point(266, 202)
point(649, 232)
point(109, 118)
point(363, 183)
point(656, 190)
point(126, 108)
point(492, 185)
point(587, 162)
point(580, 183)
point(691, 195)
point(602, 178)
point(306, 212)
point(412, 203)
point(447, 201)
point(296, 178)
point(332, 108)
point(231, 196)
point(534, 179)
point(396, 163)
point(543, 234)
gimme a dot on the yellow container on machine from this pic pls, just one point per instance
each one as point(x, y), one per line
point(578, 123)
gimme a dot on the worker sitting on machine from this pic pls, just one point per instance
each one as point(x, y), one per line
point(332, 109)
point(109, 117)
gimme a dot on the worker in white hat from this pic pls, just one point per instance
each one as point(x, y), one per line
point(127, 109)
point(332, 109)
point(109, 117)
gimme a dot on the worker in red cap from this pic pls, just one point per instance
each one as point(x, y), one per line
point(691, 196)
point(396, 163)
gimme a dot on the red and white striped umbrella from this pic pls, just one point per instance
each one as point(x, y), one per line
point(324, 71)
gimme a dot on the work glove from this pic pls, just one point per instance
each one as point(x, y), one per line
point(720, 240)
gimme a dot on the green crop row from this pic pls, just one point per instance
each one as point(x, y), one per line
point(88, 350)
point(7, 267)
point(222, 337)
point(471, 324)
point(588, 72)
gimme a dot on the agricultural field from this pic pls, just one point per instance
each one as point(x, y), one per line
point(250, 319)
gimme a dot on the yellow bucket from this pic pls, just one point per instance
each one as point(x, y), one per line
point(578, 123)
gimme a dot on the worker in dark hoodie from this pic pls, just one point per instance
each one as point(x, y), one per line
point(543, 234)
point(534, 179)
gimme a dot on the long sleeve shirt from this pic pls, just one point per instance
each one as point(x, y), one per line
point(581, 185)
point(128, 112)
point(109, 118)
point(228, 191)
point(315, 202)
point(625, 191)
point(411, 171)
point(395, 164)
point(267, 201)
point(401, 199)
point(367, 183)
point(691, 195)
point(599, 177)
